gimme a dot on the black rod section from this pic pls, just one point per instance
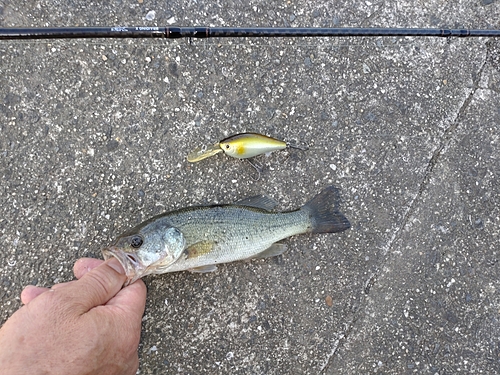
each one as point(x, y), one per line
point(229, 32)
point(81, 32)
point(347, 31)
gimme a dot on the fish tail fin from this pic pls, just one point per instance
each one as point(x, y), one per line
point(324, 213)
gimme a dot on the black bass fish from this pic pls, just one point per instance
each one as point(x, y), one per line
point(199, 238)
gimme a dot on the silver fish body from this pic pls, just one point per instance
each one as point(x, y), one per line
point(231, 233)
point(199, 238)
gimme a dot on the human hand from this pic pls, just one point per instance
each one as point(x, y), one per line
point(82, 327)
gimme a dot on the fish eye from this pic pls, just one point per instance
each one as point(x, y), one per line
point(228, 147)
point(136, 241)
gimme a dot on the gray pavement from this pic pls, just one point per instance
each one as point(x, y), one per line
point(93, 139)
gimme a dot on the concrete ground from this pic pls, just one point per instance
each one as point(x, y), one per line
point(94, 136)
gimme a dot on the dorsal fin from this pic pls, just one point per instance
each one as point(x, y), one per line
point(259, 201)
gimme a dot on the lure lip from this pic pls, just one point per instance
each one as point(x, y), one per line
point(203, 152)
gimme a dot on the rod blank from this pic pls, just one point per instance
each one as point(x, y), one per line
point(229, 32)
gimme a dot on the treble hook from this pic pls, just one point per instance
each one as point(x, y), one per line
point(257, 168)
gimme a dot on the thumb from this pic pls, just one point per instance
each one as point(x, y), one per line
point(99, 285)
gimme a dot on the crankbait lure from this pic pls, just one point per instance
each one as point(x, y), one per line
point(241, 146)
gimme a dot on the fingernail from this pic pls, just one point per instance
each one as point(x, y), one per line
point(115, 264)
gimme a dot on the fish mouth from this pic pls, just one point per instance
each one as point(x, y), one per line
point(134, 270)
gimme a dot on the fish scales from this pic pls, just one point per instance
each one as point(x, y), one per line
point(237, 232)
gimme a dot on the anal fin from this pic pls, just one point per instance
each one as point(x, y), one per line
point(204, 269)
point(274, 250)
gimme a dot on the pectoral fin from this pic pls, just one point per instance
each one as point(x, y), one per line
point(274, 250)
point(204, 269)
point(199, 248)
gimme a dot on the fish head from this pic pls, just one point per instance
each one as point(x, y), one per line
point(144, 251)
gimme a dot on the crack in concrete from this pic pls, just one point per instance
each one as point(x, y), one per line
point(446, 138)
point(332, 353)
point(336, 344)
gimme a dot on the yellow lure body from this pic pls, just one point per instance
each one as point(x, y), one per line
point(247, 145)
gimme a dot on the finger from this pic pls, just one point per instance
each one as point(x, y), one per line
point(62, 285)
point(96, 287)
point(127, 309)
point(131, 299)
point(31, 292)
point(84, 265)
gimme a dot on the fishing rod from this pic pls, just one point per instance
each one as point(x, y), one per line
point(174, 32)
